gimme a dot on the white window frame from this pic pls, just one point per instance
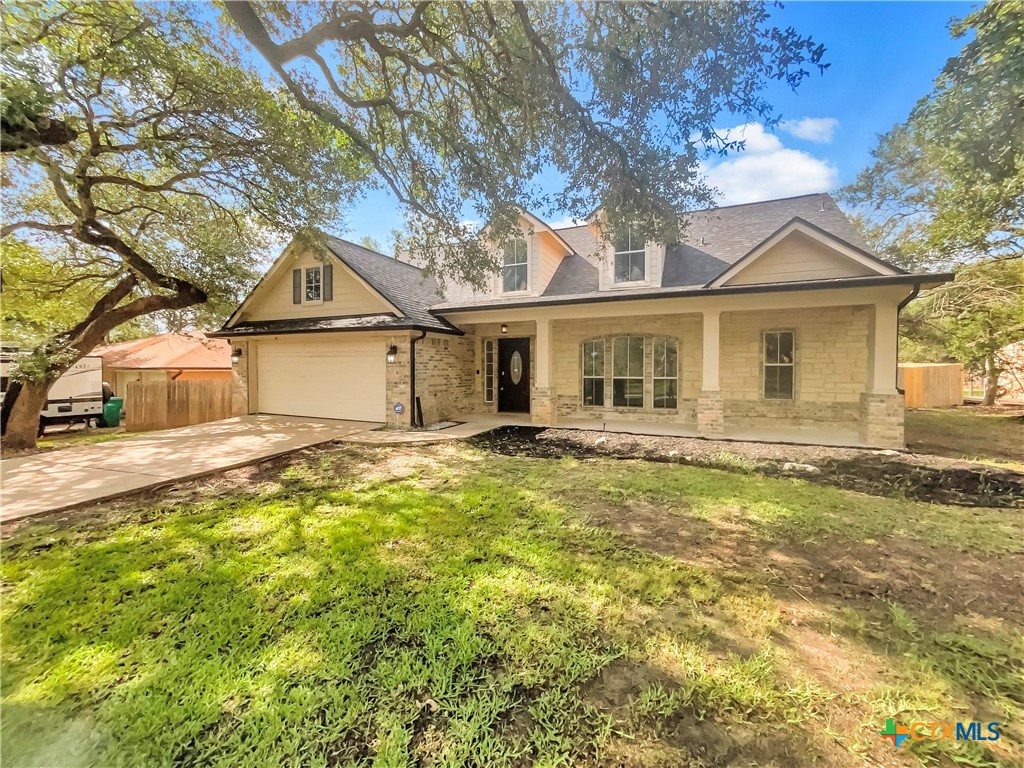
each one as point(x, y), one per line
point(318, 284)
point(489, 348)
point(524, 264)
point(593, 376)
point(631, 251)
point(655, 378)
point(766, 364)
point(630, 376)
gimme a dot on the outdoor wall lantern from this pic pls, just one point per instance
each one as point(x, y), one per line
point(236, 355)
point(392, 355)
point(504, 328)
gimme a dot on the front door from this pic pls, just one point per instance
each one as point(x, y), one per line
point(514, 375)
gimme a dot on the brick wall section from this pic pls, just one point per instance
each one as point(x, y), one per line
point(445, 376)
point(881, 421)
point(240, 404)
point(567, 337)
point(831, 366)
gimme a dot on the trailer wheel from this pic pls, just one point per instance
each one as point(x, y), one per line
point(42, 426)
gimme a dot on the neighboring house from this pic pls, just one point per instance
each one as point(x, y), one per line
point(769, 321)
point(167, 357)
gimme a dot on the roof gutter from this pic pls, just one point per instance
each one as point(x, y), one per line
point(899, 308)
point(809, 285)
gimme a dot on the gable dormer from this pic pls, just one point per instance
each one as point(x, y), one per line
point(529, 259)
point(800, 251)
point(625, 260)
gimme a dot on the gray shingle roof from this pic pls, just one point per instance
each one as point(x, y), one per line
point(713, 240)
point(404, 285)
point(310, 324)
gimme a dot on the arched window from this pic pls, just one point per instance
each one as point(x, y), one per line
point(593, 372)
point(666, 373)
point(628, 372)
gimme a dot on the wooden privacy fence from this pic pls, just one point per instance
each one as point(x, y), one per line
point(932, 385)
point(167, 404)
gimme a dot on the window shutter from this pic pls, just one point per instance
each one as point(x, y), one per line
point(296, 286)
point(328, 282)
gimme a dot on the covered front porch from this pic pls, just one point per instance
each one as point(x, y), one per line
point(843, 375)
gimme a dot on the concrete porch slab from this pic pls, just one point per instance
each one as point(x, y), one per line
point(49, 482)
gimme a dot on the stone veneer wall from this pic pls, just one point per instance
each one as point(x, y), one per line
point(830, 374)
point(240, 404)
point(567, 337)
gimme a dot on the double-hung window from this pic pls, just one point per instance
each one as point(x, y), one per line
point(593, 372)
point(666, 373)
point(778, 365)
point(628, 372)
point(514, 268)
point(313, 284)
point(630, 257)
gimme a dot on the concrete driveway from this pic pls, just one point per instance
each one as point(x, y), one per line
point(48, 482)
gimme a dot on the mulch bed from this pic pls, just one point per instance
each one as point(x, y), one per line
point(925, 478)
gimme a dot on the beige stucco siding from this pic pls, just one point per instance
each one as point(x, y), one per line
point(799, 257)
point(273, 300)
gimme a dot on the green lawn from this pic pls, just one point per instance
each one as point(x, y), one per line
point(441, 606)
point(968, 433)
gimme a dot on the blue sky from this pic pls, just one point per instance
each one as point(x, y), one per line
point(884, 57)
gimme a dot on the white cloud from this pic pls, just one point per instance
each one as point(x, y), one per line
point(816, 129)
point(767, 169)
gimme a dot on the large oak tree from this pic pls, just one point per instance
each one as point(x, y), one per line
point(181, 163)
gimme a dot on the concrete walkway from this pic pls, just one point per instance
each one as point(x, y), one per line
point(49, 482)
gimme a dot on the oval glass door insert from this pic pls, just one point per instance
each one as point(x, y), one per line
point(516, 364)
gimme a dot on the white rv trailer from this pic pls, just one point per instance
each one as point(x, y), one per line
point(75, 396)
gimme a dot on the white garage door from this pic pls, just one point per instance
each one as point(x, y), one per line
point(327, 380)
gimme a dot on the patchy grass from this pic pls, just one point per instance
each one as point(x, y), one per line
point(442, 606)
point(970, 433)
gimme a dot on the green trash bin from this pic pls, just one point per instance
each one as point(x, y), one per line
point(112, 411)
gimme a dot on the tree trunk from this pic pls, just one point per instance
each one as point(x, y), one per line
point(23, 418)
point(991, 381)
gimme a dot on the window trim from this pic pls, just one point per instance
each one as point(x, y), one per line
point(319, 285)
point(602, 377)
point(489, 350)
point(643, 369)
point(525, 264)
point(654, 374)
point(631, 252)
point(765, 365)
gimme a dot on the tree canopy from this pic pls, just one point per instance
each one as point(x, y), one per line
point(947, 185)
point(182, 164)
point(453, 103)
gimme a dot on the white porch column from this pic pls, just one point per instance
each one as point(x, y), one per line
point(542, 374)
point(882, 362)
point(712, 351)
point(542, 401)
point(710, 406)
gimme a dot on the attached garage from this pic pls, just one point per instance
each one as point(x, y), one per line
point(338, 379)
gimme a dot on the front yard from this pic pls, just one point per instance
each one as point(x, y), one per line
point(445, 605)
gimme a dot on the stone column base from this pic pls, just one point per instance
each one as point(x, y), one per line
point(542, 406)
point(710, 415)
point(240, 404)
point(881, 421)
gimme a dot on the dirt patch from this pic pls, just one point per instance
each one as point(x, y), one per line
point(879, 473)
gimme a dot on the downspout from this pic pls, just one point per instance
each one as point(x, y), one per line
point(899, 308)
point(413, 421)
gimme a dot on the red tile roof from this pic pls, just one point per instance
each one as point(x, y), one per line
point(192, 349)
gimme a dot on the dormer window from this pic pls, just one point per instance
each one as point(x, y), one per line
point(514, 269)
point(630, 258)
point(313, 284)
